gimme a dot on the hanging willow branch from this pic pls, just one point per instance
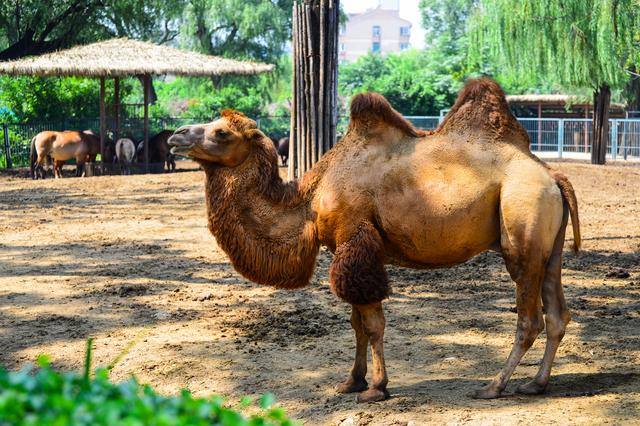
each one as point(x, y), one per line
point(315, 89)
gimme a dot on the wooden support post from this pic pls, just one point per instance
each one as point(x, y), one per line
point(539, 126)
point(103, 126)
point(145, 85)
point(116, 108)
point(315, 60)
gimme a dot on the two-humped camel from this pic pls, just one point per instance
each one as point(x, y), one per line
point(390, 194)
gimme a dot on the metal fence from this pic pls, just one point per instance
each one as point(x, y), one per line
point(550, 137)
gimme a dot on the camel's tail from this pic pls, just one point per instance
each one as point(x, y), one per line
point(34, 157)
point(569, 196)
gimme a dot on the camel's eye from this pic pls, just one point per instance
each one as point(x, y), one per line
point(221, 133)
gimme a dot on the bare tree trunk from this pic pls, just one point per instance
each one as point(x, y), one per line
point(314, 109)
point(600, 135)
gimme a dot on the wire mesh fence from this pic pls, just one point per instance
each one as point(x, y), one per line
point(549, 137)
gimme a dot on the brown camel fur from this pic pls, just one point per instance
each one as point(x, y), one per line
point(388, 193)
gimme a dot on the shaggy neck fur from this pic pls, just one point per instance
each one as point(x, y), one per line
point(264, 225)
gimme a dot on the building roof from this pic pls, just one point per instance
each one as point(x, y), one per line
point(121, 57)
point(388, 13)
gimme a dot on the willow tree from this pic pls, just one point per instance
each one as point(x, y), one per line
point(578, 43)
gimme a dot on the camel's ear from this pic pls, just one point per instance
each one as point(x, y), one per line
point(253, 135)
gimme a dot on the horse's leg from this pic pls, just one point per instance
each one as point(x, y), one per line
point(39, 168)
point(57, 168)
point(356, 381)
point(556, 316)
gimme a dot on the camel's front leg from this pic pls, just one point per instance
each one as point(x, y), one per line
point(373, 322)
point(356, 381)
point(357, 276)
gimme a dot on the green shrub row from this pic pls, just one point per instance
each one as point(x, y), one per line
point(42, 396)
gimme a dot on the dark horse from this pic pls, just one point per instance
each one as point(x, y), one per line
point(159, 150)
point(282, 146)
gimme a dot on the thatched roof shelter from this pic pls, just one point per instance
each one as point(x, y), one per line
point(560, 105)
point(122, 57)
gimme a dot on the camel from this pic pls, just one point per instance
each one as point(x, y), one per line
point(388, 193)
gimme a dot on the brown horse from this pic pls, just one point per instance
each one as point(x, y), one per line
point(62, 146)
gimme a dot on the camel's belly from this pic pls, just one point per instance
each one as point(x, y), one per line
point(430, 231)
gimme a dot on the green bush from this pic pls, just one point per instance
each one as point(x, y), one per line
point(43, 396)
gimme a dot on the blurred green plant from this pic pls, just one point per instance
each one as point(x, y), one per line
point(42, 396)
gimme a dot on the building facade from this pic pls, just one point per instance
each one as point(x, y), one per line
point(380, 30)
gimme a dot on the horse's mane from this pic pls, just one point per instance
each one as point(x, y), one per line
point(369, 109)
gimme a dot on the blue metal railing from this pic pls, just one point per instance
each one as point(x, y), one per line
point(550, 137)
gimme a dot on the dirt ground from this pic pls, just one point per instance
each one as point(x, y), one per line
point(129, 261)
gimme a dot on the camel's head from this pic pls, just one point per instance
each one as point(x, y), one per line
point(226, 141)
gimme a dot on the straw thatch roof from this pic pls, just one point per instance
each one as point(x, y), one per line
point(121, 57)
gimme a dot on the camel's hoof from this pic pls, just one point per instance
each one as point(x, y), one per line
point(372, 395)
point(487, 392)
point(531, 388)
point(352, 385)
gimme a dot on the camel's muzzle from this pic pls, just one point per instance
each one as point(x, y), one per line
point(184, 138)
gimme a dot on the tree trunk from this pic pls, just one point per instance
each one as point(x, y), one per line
point(600, 132)
point(314, 105)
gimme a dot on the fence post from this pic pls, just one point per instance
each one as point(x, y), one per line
point(614, 139)
point(7, 146)
point(560, 137)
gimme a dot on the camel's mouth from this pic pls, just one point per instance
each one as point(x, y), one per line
point(180, 142)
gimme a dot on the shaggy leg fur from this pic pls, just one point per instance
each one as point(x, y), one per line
point(357, 276)
point(356, 381)
point(357, 273)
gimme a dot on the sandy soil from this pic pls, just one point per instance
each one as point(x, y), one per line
point(129, 260)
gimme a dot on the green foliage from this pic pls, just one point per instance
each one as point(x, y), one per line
point(33, 27)
point(43, 396)
point(578, 43)
point(414, 82)
point(249, 29)
point(43, 99)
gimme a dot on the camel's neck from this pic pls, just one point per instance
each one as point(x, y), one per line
point(263, 224)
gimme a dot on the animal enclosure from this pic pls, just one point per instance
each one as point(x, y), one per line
point(129, 260)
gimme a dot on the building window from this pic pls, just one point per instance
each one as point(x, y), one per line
point(404, 46)
point(405, 31)
point(375, 47)
point(376, 31)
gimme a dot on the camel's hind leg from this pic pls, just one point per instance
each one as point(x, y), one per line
point(530, 217)
point(556, 314)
